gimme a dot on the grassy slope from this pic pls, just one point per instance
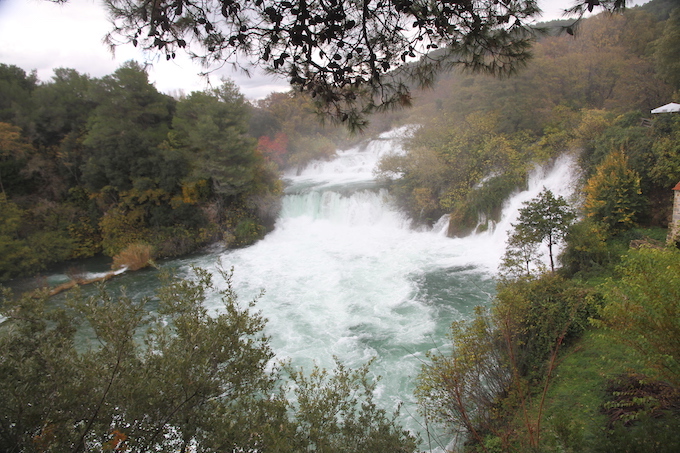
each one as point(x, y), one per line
point(573, 417)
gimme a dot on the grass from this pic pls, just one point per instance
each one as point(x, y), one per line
point(573, 417)
point(572, 414)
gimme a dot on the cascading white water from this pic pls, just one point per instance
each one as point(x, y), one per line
point(561, 177)
point(345, 276)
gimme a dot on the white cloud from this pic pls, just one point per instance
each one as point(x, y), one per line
point(554, 9)
point(41, 35)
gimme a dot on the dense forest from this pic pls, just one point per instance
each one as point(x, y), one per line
point(587, 93)
point(580, 355)
point(93, 166)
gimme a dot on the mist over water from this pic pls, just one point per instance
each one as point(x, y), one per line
point(345, 276)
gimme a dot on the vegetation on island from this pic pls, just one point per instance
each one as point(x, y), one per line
point(578, 356)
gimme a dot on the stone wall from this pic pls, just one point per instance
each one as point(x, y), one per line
point(674, 225)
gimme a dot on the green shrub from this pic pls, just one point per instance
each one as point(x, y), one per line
point(642, 308)
point(247, 231)
point(535, 314)
point(121, 227)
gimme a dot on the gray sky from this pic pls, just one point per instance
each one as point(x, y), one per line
point(40, 35)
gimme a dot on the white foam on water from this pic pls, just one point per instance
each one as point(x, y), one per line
point(344, 275)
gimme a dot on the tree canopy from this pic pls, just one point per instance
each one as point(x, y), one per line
point(354, 57)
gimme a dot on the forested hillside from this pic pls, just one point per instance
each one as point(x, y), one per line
point(588, 93)
point(90, 166)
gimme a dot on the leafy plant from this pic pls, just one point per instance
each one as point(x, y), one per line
point(613, 194)
point(459, 389)
point(642, 309)
point(545, 219)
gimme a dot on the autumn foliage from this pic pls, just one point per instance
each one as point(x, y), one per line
point(274, 150)
point(133, 257)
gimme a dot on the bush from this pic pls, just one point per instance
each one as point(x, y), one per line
point(641, 308)
point(134, 257)
point(613, 194)
point(248, 231)
point(458, 390)
point(178, 377)
point(535, 315)
point(175, 241)
point(121, 227)
point(587, 252)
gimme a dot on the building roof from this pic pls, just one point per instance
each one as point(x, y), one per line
point(668, 108)
point(677, 186)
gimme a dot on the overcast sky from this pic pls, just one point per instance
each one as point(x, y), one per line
point(40, 35)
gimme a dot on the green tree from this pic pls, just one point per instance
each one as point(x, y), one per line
point(211, 127)
point(663, 164)
point(354, 57)
point(532, 314)
point(666, 50)
point(16, 257)
point(545, 219)
point(521, 251)
point(343, 53)
point(14, 151)
point(62, 107)
point(586, 251)
point(330, 419)
point(59, 119)
point(458, 389)
point(15, 92)
point(125, 130)
point(111, 373)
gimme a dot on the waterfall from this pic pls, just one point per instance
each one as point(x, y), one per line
point(345, 276)
point(561, 177)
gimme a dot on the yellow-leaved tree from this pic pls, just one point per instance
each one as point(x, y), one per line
point(613, 194)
